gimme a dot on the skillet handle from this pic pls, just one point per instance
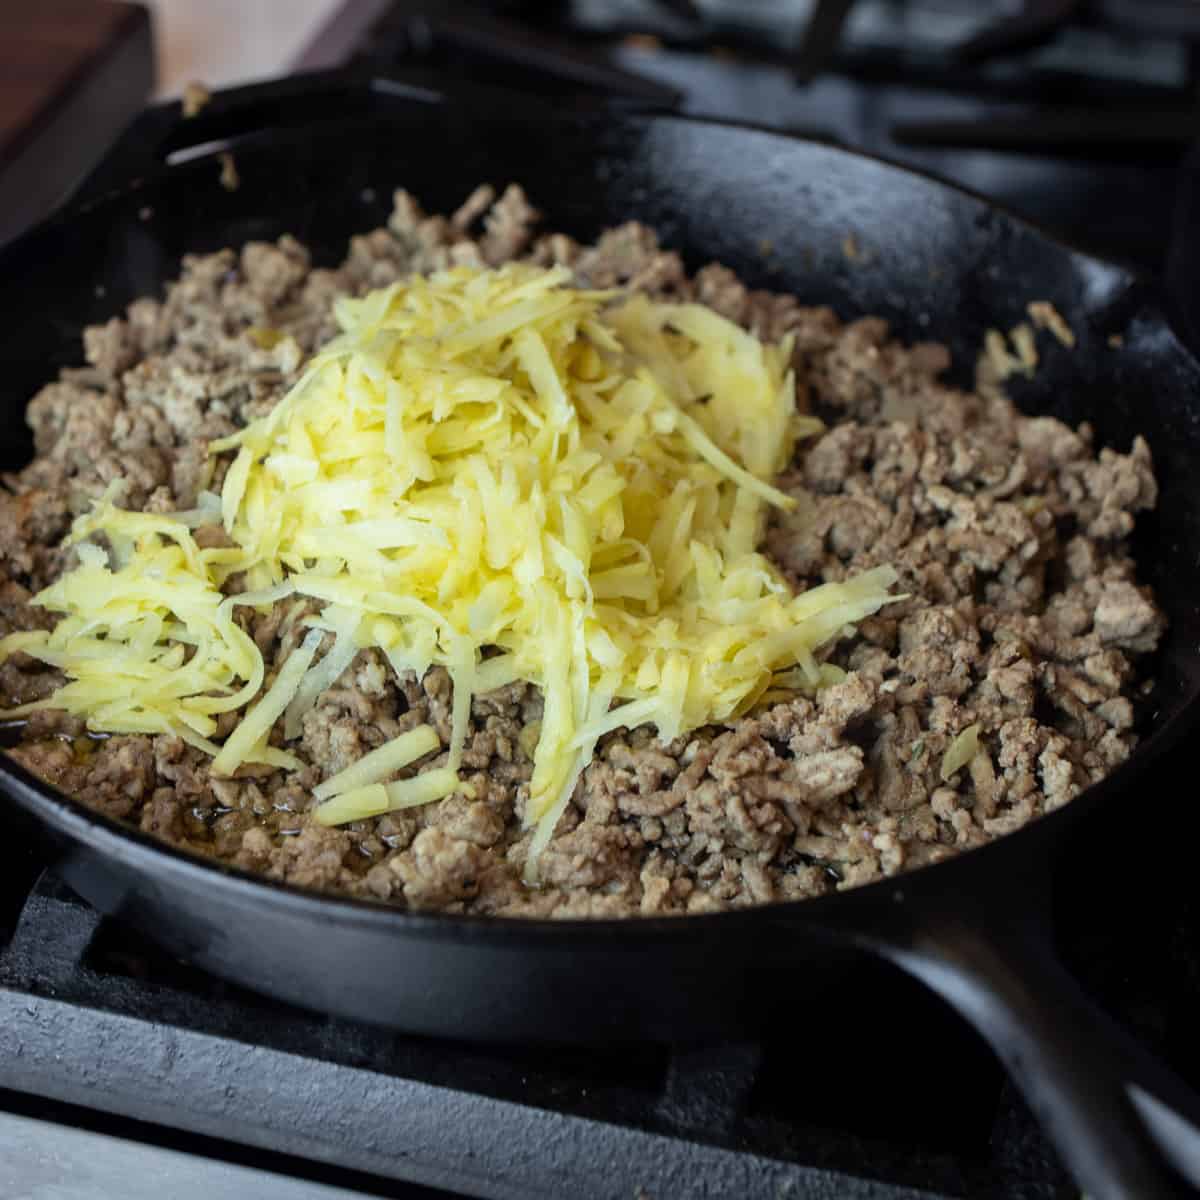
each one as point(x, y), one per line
point(1123, 1123)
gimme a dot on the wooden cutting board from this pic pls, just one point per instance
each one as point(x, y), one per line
point(72, 75)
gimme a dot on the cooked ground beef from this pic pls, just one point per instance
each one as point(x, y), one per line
point(1023, 614)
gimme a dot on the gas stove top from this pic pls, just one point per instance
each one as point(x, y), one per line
point(122, 1069)
point(119, 1064)
point(115, 1040)
point(1074, 114)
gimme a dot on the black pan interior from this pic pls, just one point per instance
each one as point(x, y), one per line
point(938, 264)
point(829, 226)
point(833, 228)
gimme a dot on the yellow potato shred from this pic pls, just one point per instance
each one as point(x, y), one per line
point(488, 470)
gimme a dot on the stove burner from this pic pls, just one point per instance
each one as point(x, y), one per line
point(1074, 115)
point(821, 37)
point(1034, 25)
point(91, 1016)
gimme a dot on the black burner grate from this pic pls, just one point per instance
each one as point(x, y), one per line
point(1079, 127)
point(92, 1016)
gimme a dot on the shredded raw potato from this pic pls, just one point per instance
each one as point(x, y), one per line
point(1001, 361)
point(422, 789)
point(481, 460)
point(1046, 316)
point(357, 804)
point(379, 764)
point(1026, 348)
point(960, 752)
point(343, 623)
point(255, 726)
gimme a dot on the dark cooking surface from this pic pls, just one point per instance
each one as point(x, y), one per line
point(887, 1086)
point(893, 1089)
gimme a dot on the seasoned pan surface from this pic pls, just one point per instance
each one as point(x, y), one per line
point(939, 264)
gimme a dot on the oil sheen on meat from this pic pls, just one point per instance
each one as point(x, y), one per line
point(1024, 614)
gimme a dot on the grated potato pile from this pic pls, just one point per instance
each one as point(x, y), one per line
point(488, 470)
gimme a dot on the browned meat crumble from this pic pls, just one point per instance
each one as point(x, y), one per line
point(1024, 615)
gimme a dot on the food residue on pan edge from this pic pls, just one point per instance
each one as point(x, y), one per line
point(195, 99)
point(1024, 616)
point(229, 178)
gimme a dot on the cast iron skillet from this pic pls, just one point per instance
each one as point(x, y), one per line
point(318, 158)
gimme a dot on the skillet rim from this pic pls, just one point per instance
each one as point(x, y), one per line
point(149, 857)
